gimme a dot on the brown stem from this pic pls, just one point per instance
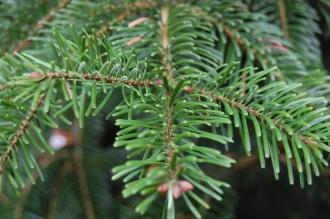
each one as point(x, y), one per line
point(6, 86)
point(283, 17)
point(81, 174)
point(66, 168)
point(68, 76)
point(246, 162)
point(164, 41)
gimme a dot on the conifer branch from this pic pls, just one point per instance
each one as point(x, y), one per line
point(170, 126)
point(166, 62)
point(91, 77)
point(169, 122)
point(87, 77)
point(107, 27)
point(6, 86)
point(292, 17)
point(256, 113)
point(130, 9)
point(231, 35)
point(145, 4)
point(41, 24)
point(258, 58)
point(24, 125)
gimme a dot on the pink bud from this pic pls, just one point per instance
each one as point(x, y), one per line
point(160, 82)
point(162, 188)
point(35, 75)
point(275, 45)
point(176, 191)
point(279, 46)
point(137, 21)
point(189, 90)
point(134, 40)
point(185, 186)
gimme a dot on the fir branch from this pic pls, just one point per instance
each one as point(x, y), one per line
point(292, 17)
point(41, 24)
point(165, 52)
point(256, 113)
point(132, 5)
point(167, 162)
point(166, 62)
point(107, 27)
point(259, 58)
point(24, 125)
point(6, 86)
point(91, 77)
point(162, 126)
point(131, 8)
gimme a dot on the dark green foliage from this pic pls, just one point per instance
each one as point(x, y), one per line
point(184, 81)
point(16, 19)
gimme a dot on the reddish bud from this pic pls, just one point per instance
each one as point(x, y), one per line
point(279, 46)
point(176, 191)
point(160, 82)
point(35, 75)
point(189, 90)
point(185, 186)
point(137, 21)
point(275, 45)
point(162, 188)
point(177, 188)
point(134, 40)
